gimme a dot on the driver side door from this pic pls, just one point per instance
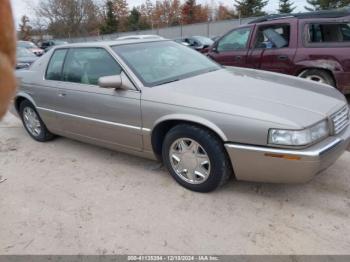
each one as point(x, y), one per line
point(232, 49)
point(104, 116)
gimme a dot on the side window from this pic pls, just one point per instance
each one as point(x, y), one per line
point(87, 65)
point(273, 36)
point(54, 68)
point(329, 33)
point(235, 40)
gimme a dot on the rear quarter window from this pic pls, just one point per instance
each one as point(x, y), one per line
point(328, 33)
point(54, 68)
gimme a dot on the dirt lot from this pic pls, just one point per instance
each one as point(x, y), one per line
point(65, 197)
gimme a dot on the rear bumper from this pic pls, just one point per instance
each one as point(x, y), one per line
point(262, 164)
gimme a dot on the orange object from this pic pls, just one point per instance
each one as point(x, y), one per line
point(7, 56)
point(288, 157)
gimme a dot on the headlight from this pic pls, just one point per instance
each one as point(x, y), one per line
point(299, 137)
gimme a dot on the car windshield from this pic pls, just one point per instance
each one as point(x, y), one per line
point(157, 63)
point(23, 52)
point(26, 44)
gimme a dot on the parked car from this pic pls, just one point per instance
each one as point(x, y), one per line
point(24, 58)
point(48, 44)
point(161, 100)
point(135, 37)
point(31, 47)
point(180, 41)
point(199, 43)
point(315, 46)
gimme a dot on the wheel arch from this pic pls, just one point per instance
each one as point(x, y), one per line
point(320, 64)
point(20, 97)
point(164, 124)
point(330, 66)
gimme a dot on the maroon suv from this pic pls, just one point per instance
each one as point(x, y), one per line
point(312, 45)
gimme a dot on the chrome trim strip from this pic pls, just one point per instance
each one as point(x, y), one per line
point(308, 153)
point(94, 119)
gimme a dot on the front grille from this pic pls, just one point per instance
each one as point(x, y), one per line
point(340, 120)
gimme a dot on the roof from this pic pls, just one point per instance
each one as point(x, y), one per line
point(111, 43)
point(336, 13)
point(139, 37)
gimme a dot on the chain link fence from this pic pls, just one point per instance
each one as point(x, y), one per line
point(209, 29)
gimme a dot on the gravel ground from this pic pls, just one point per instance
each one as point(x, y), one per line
point(66, 197)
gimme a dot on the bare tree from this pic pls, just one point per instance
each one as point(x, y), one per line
point(25, 28)
point(69, 18)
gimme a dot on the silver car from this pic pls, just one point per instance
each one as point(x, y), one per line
point(161, 100)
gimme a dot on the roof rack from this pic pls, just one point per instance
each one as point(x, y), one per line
point(336, 13)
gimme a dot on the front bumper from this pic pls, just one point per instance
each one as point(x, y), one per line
point(263, 164)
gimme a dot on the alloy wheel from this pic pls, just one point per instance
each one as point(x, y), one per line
point(189, 160)
point(31, 121)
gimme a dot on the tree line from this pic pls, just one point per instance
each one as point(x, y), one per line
point(72, 18)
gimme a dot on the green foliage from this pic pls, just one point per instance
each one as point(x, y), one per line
point(248, 8)
point(286, 7)
point(110, 23)
point(326, 4)
point(135, 21)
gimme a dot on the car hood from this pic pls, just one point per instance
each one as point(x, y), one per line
point(26, 59)
point(284, 100)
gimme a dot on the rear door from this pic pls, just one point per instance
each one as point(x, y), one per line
point(274, 47)
point(88, 111)
point(232, 49)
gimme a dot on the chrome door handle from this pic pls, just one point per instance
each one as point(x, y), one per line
point(61, 95)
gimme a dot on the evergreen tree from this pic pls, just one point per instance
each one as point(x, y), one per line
point(121, 10)
point(326, 4)
point(134, 20)
point(286, 7)
point(110, 24)
point(247, 8)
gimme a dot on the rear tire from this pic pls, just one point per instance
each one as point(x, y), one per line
point(196, 158)
point(33, 124)
point(318, 75)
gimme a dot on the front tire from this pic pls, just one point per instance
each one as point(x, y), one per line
point(33, 124)
point(196, 158)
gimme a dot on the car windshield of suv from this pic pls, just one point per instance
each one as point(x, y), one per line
point(157, 63)
point(23, 52)
point(329, 33)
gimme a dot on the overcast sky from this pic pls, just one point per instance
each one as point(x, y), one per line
point(21, 7)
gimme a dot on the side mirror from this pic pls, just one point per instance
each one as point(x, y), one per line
point(120, 82)
point(110, 82)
